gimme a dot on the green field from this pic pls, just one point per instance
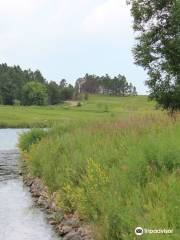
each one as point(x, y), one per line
point(97, 107)
point(113, 161)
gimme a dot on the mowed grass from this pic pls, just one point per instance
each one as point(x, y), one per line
point(117, 172)
point(95, 108)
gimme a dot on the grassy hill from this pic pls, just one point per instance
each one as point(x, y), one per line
point(97, 107)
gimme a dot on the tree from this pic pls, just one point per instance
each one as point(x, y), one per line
point(117, 86)
point(12, 80)
point(134, 92)
point(67, 92)
point(53, 93)
point(34, 93)
point(157, 24)
point(90, 83)
point(63, 83)
point(38, 77)
point(16, 84)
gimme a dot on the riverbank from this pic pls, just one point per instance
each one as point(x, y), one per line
point(67, 226)
point(115, 175)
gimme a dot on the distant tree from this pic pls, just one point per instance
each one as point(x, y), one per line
point(67, 93)
point(134, 92)
point(90, 84)
point(17, 84)
point(12, 80)
point(63, 83)
point(157, 24)
point(7, 90)
point(38, 77)
point(54, 95)
point(34, 93)
point(117, 86)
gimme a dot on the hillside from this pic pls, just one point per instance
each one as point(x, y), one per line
point(97, 107)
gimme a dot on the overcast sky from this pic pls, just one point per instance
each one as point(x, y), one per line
point(68, 38)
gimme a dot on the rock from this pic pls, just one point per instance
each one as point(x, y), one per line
point(59, 215)
point(53, 222)
point(52, 206)
point(73, 222)
point(64, 230)
point(69, 225)
point(72, 236)
point(28, 182)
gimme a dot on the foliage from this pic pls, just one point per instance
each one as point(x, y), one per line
point(34, 93)
point(67, 92)
point(13, 81)
point(158, 48)
point(53, 93)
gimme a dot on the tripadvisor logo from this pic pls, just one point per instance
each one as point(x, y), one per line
point(139, 231)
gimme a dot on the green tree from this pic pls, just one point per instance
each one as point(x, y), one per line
point(117, 86)
point(63, 83)
point(34, 93)
point(67, 92)
point(157, 24)
point(12, 80)
point(54, 96)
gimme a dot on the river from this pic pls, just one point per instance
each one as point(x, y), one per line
point(19, 219)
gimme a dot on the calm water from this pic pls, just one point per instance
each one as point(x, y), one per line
point(19, 219)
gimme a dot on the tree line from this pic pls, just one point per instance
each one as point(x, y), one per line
point(26, 87)
point(116, 86)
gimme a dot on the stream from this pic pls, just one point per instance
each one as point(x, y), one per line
point(19, 218)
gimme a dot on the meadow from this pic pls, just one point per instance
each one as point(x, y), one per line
point(115, 162)
point(97, 107)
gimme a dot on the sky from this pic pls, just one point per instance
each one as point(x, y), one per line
point(69, 38)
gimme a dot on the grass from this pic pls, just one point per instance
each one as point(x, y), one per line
point(96, 108)
point(118, 173)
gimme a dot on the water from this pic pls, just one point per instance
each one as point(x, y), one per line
point(19, 219)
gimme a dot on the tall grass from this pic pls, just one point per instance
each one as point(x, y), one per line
point(116, 175)
point(31, 137)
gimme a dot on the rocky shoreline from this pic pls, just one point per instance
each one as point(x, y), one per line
point(67, 226)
